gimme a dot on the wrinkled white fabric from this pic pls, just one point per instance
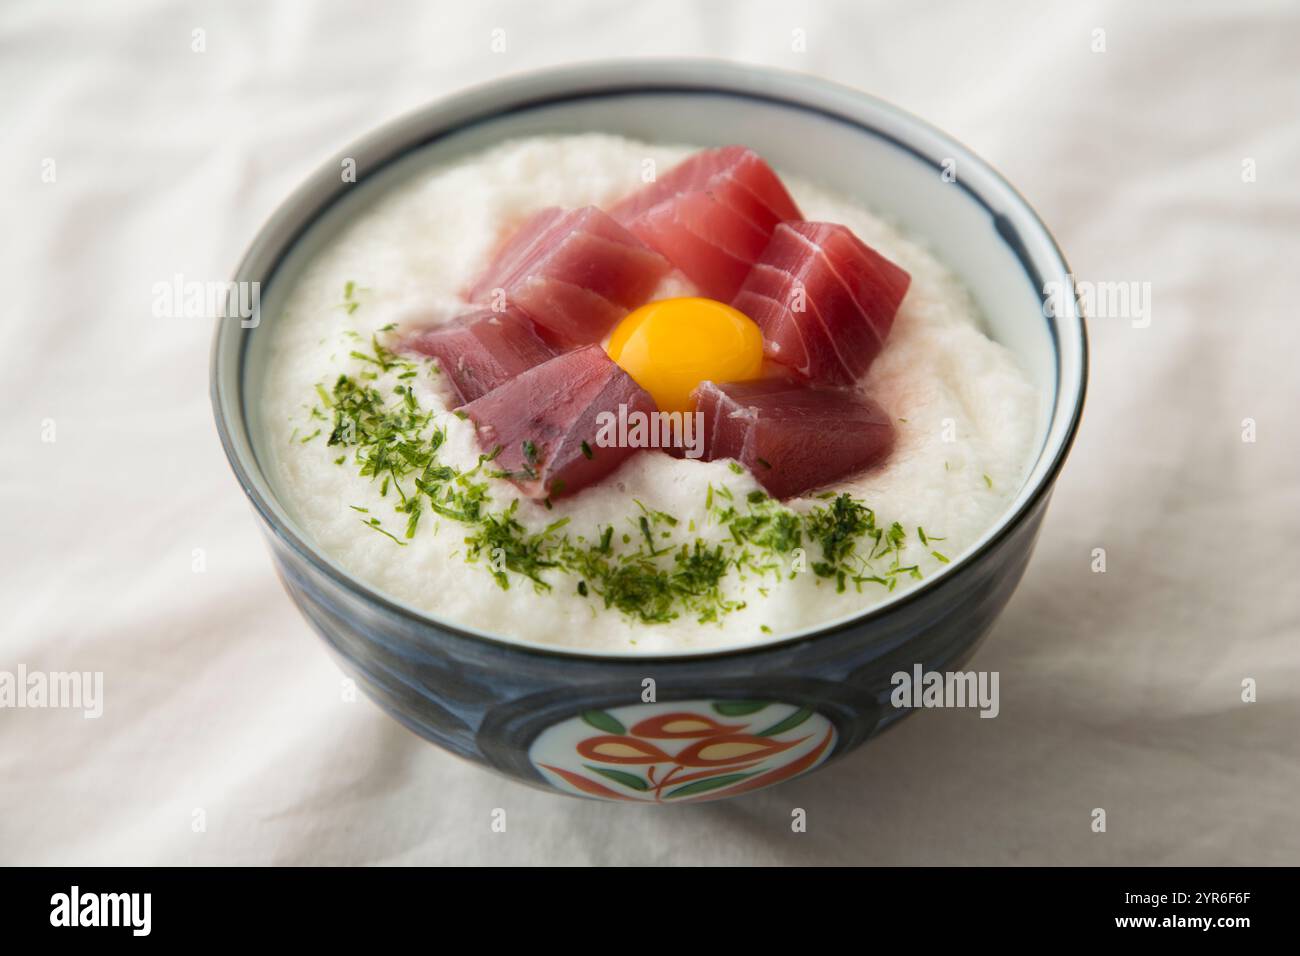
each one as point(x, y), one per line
point(225, 737)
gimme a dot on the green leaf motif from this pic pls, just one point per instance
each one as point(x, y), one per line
point(621, 776)
point(704, 786)
point(739, 708)
point(794, 720)
point(603, 721)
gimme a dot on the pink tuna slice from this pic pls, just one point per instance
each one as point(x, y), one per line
point(711, 216)
point(544, 421)
point(574, 272)
point(850, 294)
point(792, 436)
point(481, 350)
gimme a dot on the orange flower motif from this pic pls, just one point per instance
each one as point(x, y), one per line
point(715, 759)
point(792, 769)
point(723, 749)
point(609, 748)
point(682, 726)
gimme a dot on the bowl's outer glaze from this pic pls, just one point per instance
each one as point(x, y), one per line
point(489, 702)
point(638, 729)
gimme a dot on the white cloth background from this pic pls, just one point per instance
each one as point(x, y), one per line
point(1119, 690)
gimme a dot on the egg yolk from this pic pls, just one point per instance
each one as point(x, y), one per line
point(670, 346)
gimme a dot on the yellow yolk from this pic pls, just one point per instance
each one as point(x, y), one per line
point(670, 346)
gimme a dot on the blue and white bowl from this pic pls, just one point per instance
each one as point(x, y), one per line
point(726, 722)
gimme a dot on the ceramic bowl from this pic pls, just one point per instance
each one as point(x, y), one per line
point(694, 726)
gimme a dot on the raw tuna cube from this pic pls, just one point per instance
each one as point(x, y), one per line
point(711, 216)
point(575, 272)
point(766, 297)
point(792, 436)
point(544, 421)
point(824, 300)
point(481, 350)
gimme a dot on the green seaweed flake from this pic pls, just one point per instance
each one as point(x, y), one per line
point(660, 573)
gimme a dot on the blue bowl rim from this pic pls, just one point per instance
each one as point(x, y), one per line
point(655, 75)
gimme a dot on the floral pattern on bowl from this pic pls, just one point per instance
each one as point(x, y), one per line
point(682, 751)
